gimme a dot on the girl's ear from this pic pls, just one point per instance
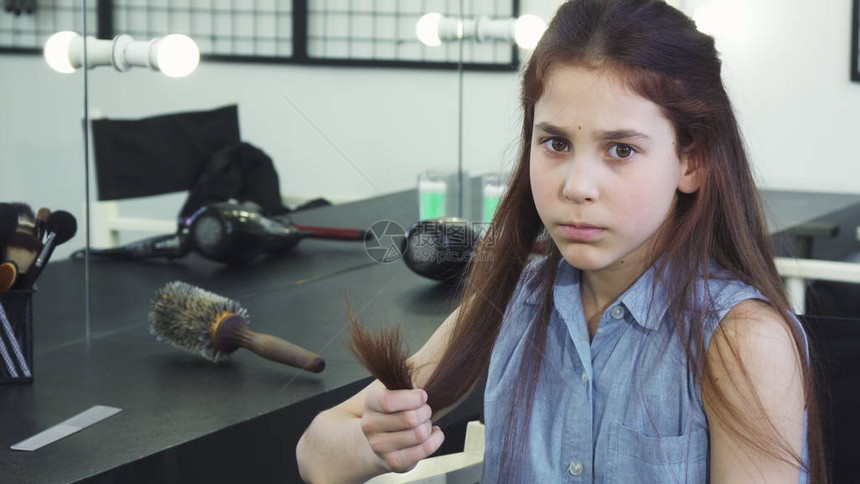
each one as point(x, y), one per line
point(690, 178)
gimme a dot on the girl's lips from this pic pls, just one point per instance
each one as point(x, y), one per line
point(581, 233)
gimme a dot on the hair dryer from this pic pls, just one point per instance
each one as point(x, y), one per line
point(236, 234)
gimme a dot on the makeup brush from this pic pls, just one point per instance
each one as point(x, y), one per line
point(24, 210)
point(60, 226)
point(8, 275)
point(22, 249)
point(213, 326)
point(8, 223)
point(22, 246)
point(26, 217)
point(41, 220)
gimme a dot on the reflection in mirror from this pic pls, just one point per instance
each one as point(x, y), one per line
point(42, 159)
point(339, 99)
point(296, 105)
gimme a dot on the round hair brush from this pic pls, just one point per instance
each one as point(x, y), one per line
point(213, 326)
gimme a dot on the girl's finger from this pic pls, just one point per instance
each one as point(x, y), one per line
point(392, 401)
point(393, 441)
point(406, 459)
point(374, 423)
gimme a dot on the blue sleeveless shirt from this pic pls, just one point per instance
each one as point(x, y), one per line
point(622, 408)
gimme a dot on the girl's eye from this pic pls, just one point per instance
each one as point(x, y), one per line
point(557, 145)
point(621, 151)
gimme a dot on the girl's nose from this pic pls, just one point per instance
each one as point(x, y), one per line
point(581, 183)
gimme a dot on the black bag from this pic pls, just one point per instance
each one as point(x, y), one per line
point(240, 172)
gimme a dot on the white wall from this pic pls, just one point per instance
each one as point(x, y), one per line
point(346, 133)
point(41, 153)
point(786, 66)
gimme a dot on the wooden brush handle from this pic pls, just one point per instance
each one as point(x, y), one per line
point(276, 349)
point(231, 331)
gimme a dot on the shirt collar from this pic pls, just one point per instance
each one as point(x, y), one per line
point(645, 310)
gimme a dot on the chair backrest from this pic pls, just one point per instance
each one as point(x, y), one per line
point(837, 343)
point(160, 154)
point(152, 156)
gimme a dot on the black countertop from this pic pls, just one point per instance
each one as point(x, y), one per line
point(174, 403)
point(186, 418)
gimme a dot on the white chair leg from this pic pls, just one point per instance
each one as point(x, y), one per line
point(474, 437)
point(106, 224)
point(796, 289)
point(102, 214)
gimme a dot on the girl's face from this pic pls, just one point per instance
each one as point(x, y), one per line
point(604, 169)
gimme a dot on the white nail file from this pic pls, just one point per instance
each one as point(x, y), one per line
point(67, 427)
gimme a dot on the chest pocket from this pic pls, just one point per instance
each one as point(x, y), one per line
point(643, 459)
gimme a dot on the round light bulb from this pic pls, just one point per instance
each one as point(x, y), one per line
point(528, 30)
point(177, 55)
point(57, 51)
point(427, 29)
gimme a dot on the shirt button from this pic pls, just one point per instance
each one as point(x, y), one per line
point(584, 377)
point(575, 468)
point(617, 312)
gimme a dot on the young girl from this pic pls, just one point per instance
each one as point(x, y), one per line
point(653, 344)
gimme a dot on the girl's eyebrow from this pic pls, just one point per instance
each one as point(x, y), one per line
point(605, 135)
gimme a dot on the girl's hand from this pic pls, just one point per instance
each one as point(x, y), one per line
point(398, 427)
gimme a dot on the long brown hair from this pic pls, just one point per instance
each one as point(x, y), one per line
point(658, 53)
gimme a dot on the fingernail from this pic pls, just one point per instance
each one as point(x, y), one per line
point(424, 395)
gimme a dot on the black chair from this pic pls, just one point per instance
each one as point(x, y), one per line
point(152, 156)
point(837, 342)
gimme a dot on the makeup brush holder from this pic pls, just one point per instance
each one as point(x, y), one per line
point(16, 337)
